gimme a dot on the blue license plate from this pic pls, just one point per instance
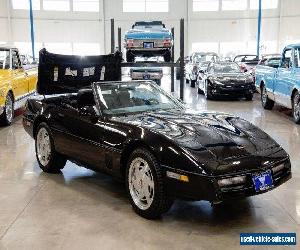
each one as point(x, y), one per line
point(148, 45)
point(262, 181)
point(146, 77)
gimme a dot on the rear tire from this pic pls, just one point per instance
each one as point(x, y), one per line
point(129, 56)
point(265, 101)
point(249, 97)
point(296, 107)
point(8, 114)
point(200, 91)
point(49, 160)
point(145, 185)
point(193, 83)
point(167, 56)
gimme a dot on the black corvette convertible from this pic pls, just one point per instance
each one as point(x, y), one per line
point(138, 133)
point(225, 79)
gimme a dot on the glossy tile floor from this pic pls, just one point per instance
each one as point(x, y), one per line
point(80, 209)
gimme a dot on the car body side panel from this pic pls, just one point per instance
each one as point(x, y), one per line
point(265, 75)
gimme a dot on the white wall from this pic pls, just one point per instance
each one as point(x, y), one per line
point(279, 25)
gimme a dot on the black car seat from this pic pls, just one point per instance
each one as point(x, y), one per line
point(124, 99)
point(85, 97)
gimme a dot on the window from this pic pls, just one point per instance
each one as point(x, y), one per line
point(86, 5)
point(24, 4)
point(4, 59)
point(286, 60)
point(205, 5)
point(56, 5)
point(16, 64)
point(59, 48)
point(297, 57)
point(145, 5)
point(205, 47)
point(86, 48)
point(265, 4)
point(234, 4)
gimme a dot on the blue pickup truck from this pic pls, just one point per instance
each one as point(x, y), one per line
point(148, 39)
point(281, 84)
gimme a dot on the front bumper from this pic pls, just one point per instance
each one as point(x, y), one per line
point(204, 187)
point(148, 52)
point(232, 90)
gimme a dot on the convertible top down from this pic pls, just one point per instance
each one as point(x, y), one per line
point(137, 132)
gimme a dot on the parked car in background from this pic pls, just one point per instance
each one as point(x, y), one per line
point(147, 73)
point(226, 79)
point(148, 39)
point(247, 62)
point(16, 83)
point(147, 138)
point(281, 84)
point(202, 70)
point(192, 66)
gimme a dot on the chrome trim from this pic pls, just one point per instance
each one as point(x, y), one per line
point(1, 110)
point(21, 100)
point(147, 49)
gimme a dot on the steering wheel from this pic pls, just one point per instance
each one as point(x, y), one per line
point(152, 101)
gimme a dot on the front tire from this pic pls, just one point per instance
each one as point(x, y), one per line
point(208, 94)
point(249, 97)
point(129, 56)
point(145, 185)
point(296, 107)
point(49, 160)
point(265, 101)
point(8, 113)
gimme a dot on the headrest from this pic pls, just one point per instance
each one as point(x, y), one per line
point(85, 97)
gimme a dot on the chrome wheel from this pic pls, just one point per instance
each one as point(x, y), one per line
point(9, 108)
point(43, 146)
point(296, 107)
point(141, 183)
point(264, 95)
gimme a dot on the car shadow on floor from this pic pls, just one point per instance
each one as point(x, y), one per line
point(105, 189)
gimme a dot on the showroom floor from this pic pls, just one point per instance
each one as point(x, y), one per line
point(83, 209)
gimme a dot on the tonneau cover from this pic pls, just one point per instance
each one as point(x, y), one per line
point(59, 74)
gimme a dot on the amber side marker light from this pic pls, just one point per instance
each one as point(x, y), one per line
point(179, 177)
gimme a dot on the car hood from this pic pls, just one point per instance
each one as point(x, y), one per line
point(223, 137)
point(148, 34)
point(59, 74)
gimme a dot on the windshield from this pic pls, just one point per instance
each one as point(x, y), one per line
point(246, 58)
point(132, 97)
point(205, 58)
point(227, 68)
point(4, 59)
